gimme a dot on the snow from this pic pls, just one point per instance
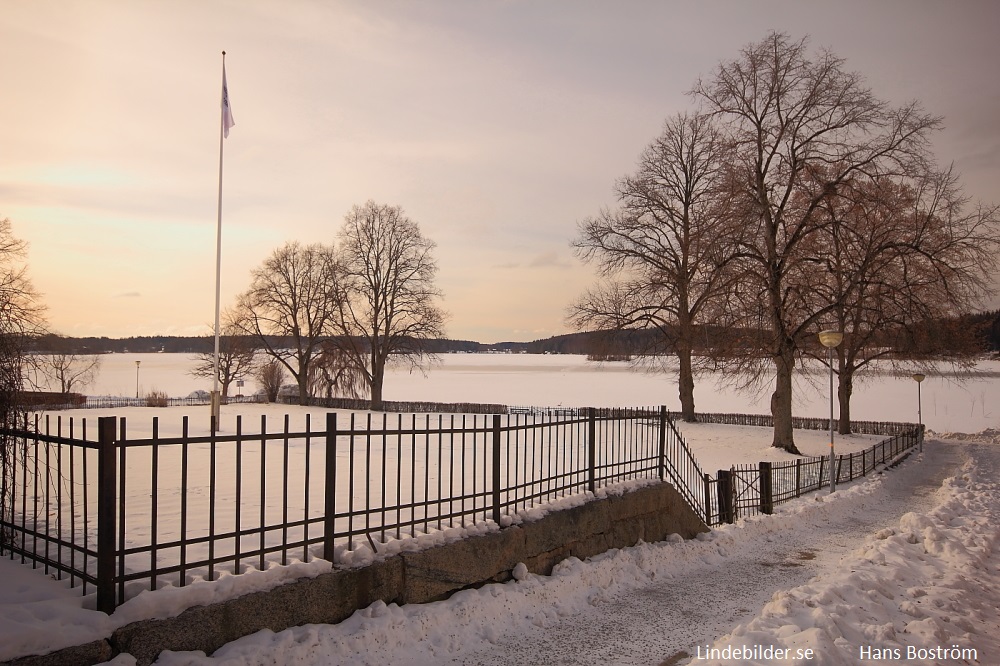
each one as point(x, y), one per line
point(905, 560)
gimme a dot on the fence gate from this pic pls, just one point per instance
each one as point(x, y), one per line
point(746, 490)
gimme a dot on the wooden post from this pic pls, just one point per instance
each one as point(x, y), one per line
point(766, 498)
point(106, 514)
point(496, 468)
point(330, 488)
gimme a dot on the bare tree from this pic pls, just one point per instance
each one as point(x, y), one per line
point(20, 320)
point(237, 352)
point(291, 306)
point(903, 255)
point(64, 367)
point(388, 298)
point(667, 249)
point(794, 117)
point(270, 375)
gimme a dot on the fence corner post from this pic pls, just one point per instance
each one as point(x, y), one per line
point(496, 468)
point(330, 489)
point(724, 483)
point(107, 477)
point(766, 497)
point(592, 448)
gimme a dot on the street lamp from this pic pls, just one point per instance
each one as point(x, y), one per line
point(919, 377)
point(831, 339)
point(137, 379)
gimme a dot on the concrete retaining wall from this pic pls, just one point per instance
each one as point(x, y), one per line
point(650, 514)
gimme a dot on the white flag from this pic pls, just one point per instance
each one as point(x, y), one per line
point(227, 111)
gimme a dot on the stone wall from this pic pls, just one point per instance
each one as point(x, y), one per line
point(649, 514)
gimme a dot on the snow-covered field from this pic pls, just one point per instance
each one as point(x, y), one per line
point(927, 577)
point(554, 380)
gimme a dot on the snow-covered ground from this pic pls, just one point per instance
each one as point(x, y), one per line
point(909, 559)
point(554, 380)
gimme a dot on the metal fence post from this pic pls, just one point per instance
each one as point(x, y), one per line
point(724, 482)
point(766, 498)
point(330, 489)
point(663, 442)
point(707, 479)
point(106, 514)
point(798, 477)
point(496, 468)
point(592, 448)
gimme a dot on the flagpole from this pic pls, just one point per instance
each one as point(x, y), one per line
point(216, 401)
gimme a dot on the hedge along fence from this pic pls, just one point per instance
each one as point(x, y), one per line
point(395, 406)
point(745, 490)
point(804, 423)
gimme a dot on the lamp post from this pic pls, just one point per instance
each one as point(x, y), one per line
point(137, 379)
point(919, 377)
point(831, 339)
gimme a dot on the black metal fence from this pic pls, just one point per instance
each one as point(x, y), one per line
point(745, 490)
point(123, 513)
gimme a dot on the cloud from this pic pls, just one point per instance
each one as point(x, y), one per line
point(129, 294)
point(549, 260)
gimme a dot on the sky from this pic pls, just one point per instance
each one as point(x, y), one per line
point(497, 126)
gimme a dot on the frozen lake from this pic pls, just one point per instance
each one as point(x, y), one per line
point(569, 380)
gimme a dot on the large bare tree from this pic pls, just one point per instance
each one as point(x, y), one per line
point(291, 306)
point(801, 125)
point(666, 251)
point(388, 298)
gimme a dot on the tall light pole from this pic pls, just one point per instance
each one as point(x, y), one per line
point(919, 377)
point(831, 339)
point(137, 379)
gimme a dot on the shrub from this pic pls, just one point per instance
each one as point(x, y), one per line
point(156, 398)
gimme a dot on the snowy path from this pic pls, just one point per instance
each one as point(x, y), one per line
point(705, 601)
point(656, 603)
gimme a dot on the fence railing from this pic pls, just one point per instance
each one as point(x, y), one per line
point(745, 490)
point(124, 513)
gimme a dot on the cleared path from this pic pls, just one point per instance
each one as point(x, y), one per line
point(663, 622)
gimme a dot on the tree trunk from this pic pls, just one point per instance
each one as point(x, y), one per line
point(303, 382)
point(685, 384)
point(378, 378)
point(845, 388)
point(781, 401)
point(376, 402)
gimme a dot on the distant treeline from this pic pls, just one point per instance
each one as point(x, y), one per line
point(609, 344)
